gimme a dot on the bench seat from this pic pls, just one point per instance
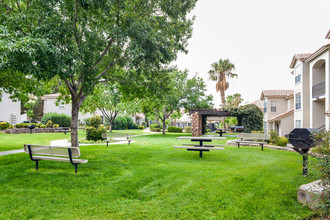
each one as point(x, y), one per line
point(250, 142)
point(200, 148)
point(206, 145)
point(60, 159)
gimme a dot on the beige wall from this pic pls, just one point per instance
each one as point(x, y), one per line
point(9, 108)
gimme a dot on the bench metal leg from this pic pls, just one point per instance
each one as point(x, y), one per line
point(107, 143)
point(37, 164)
point(75, 168)
point(238, 144)
point(200, 153)
point(262, 147)
point(129, 142)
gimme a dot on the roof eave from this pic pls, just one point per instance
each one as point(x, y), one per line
point(318, 53)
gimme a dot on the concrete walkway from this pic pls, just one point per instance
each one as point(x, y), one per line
point(66, 143)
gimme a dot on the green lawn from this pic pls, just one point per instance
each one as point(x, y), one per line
point(152, 180)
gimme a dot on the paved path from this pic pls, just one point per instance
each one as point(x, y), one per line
point(66, 143)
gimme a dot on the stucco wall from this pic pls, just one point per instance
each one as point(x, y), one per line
point(9, 107)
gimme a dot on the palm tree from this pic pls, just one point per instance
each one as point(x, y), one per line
point(220, 70)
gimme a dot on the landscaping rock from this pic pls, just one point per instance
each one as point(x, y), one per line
point(309, 194)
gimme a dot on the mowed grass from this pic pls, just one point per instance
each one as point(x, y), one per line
point(152, 180)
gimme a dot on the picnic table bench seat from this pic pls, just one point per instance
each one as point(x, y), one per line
point(206, 145)
point(54, 153)
point(200, 148)
point(117, 137)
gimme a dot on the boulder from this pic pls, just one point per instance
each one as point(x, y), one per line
point(309, 194)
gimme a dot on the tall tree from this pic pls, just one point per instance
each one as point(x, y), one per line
point(108, 98)
point(219, 73)
point(233, 101)
point(179, 92)
point(83, 42)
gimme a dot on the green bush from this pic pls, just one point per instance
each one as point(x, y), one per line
point(141, 127)
point(39, 125)
point(250, 116)
point(154, 126)
point(42, 126)
point(120, 123)
point(282, 141)
point(49, 124)
point(273, 137)
point(25, 125)
point(95, 121)
point(208, 130)
point(187, 129)
point(257, 132)
point(156, 130)
point(174, 129)
point(56, 125)
point(144, 124)
point(130, 123)
point(61, 119)
point(95, 134)
point(5, 125)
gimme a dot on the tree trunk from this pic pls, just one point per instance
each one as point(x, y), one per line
point(74, 123)
point(111, 125)
point(223, 105)
point(164, 125)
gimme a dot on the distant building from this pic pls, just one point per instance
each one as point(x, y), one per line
point(278, 111)
point(10, 111)
point(312, 88)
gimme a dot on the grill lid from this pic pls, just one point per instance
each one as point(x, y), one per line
point(302, 138)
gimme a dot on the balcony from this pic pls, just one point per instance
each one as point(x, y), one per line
point(318, 90)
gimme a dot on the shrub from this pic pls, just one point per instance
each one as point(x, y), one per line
point(174, 129)
point(257, 132)
point(42, 126)
point(250, 116)
point(61, 119)
point(25, 125)
point(39, 125)
point(49, 124)
point(273, 137)
point(95, 121)
point(5, 125)
point(282, 141)
point(95, 134)
point(154, 126)
point(120, 123)
point(141, 127)
point(144, 124)
point(156, 130)
point(56, 125)
point(187, 129)
point(208, 130)
point(130, 123)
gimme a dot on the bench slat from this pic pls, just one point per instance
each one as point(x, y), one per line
point(61, 159)
point(250, 142)
point(207, 145)
point(52, 150)
point(200, 148)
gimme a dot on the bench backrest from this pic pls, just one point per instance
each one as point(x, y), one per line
point(104, 135)
point(253, 136)
point(52, 150)
point(119, 135)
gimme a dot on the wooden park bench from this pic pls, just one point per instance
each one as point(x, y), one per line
point(117, 137)
point(54, 153)
point(65, 130)
point(252, 139)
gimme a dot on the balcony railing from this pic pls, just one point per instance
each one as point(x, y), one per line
point(318, 90)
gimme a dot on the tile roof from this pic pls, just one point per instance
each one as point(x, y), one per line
point(283, 115)
point(328, 35)
point(275, 93)
point(258, 103)
point(318, 52)
point(302, 57)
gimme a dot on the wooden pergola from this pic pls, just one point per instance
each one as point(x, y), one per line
point(199, 117)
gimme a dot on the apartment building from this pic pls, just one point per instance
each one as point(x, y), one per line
point(312, 88)
point(278, 111)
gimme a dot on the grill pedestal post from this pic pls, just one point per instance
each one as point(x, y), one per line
point(305, 164)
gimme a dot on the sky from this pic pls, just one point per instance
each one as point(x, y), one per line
point(259, 37)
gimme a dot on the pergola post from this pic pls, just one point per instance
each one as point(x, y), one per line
point(196, 125)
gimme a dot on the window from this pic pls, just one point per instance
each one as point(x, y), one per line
point(298, 123)
point(298, 101)
point(265, 127)
point(273, 106)
point(297, 73)
point(265, 105)
point(61, 105)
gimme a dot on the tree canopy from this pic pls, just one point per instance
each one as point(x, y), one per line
point(83, 42)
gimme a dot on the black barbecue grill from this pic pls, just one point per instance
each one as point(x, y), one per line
point(302, 139)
